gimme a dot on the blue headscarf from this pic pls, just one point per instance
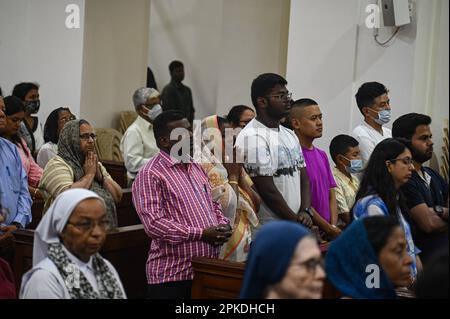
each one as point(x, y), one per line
point(346, 262)
point(270, 256)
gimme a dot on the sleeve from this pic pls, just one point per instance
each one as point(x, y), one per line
point(39, 136)
point(43, 285)
point(133, 151)
point(35, 172)
point(366, 147)
point(104, 171)
point(221, 219)
point(340, 200)
point(23, 215)
point(147, 199)
point(256, 153)
point(331, 181)
point(413, 194)
point(45, 154)
point(375, 210)
point(57, 177)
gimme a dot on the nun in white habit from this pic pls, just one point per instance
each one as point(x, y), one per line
point(66, 262)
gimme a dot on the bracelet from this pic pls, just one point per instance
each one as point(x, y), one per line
point(233, 182)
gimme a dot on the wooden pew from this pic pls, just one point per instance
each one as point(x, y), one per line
point(126, 214)
point(126, 248)
point(117, 171)
point(216, 279)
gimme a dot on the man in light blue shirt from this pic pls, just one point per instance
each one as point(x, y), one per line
point(14, 195)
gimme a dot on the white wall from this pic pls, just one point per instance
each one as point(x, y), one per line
point(331, 53)
point(36, 46)
point(321, 57)
point(224, 45)
point(114, 58)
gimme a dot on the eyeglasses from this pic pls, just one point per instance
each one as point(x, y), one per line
point(405, 160)
point(311, 264)
point(67, 119)
point(86, 136)
point(88, 226)
point(284, 96)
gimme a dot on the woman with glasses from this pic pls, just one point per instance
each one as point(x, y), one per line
point(284, 262)
point(240, 116)
point(389, 167)
point(15, 114)
point(53, 126)
point(77, 166)
point(66, 262)
point(369, 259)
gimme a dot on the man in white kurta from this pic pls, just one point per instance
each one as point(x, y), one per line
point(138, 144)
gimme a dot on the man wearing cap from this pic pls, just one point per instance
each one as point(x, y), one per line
point(138, 144)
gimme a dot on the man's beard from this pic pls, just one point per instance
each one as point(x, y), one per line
point(420, 157)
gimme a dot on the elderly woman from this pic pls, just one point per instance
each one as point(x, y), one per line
point(77, 166)
point(285, 262)
point(53, 126)
point(15, 115)
point(231, 186)
point(369, 259)
point(66, 263)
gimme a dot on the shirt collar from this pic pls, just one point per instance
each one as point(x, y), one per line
point(171, 161)
point(143, 123)
point(77, 261)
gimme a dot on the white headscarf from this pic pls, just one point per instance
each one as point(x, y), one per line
point(54, 221)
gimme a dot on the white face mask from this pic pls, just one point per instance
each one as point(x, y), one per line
point(154, 111)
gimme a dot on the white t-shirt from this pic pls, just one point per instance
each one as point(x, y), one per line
point(277, 153)
point(368, 138)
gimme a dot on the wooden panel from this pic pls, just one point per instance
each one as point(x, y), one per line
point(117, 171)
point(126, 214)
point(126, 248)
point(216, 279)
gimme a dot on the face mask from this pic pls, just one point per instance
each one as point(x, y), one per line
point(355, 167)
point(383, 117)
point(154, 111)
point(32, 107)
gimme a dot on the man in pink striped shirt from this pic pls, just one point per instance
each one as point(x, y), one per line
point(173, 200)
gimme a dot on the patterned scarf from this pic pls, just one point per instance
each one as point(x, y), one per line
point(108, 285)
point(69, 151)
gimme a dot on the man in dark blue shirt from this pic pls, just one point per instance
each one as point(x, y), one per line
point(426, 192)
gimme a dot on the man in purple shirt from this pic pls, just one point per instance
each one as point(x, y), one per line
point(306, 120)
point(172, 196)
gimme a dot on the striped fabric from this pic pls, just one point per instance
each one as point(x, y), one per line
point(57, 177)
point(173, 201)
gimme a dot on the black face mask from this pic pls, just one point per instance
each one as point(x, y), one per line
point(32, 107)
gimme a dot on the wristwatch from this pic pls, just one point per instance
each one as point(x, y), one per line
point(18, 225)
point(439, 210)
point(308, 211)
